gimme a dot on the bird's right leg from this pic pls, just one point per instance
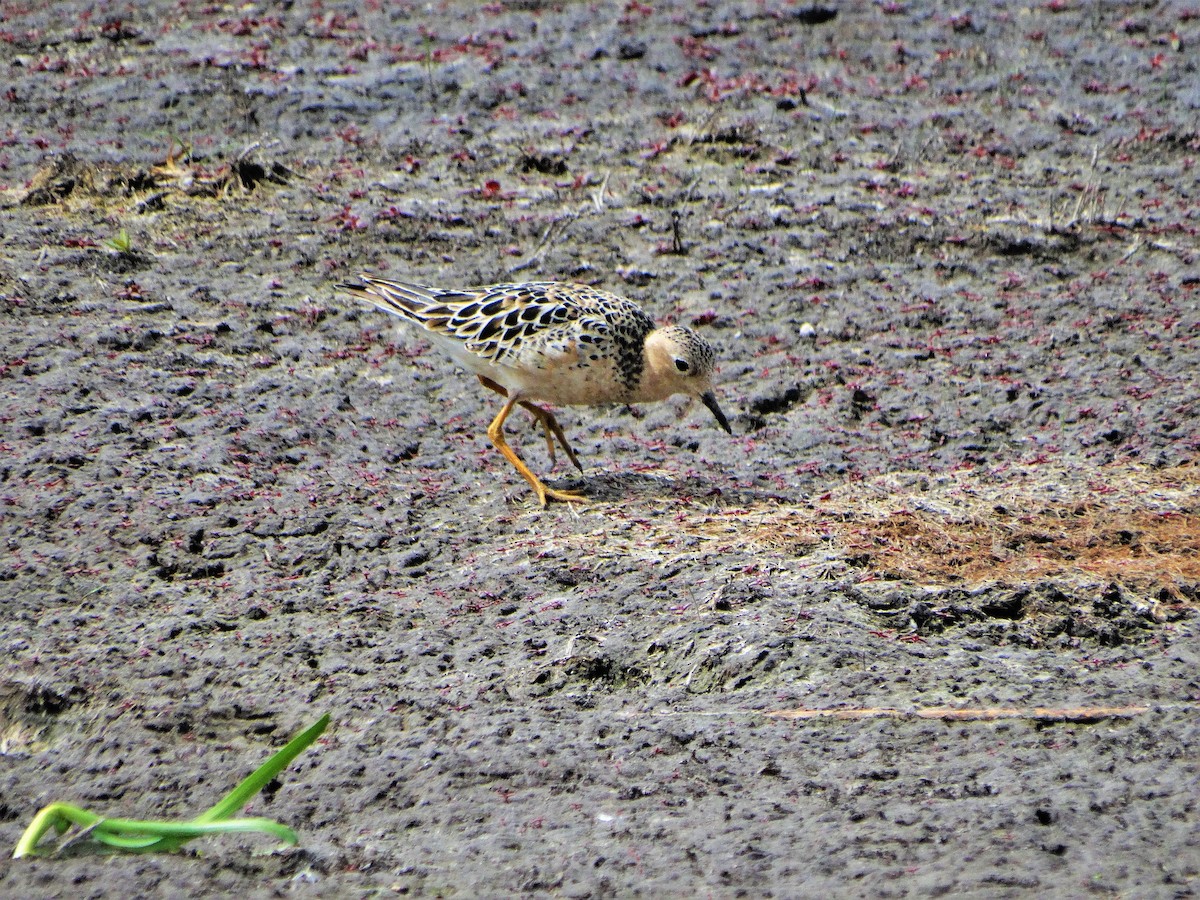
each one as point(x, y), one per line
point(496, 434)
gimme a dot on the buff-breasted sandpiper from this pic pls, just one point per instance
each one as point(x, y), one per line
point(563, 344)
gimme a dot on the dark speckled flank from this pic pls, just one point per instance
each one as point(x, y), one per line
point(628, 340)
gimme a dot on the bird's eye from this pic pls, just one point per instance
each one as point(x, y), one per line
point(682, 365)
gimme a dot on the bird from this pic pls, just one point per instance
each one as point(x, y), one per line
point(555, 343)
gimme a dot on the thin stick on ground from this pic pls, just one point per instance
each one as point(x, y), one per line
point(1037, 713)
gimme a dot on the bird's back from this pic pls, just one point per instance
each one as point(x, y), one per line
point(562, 343)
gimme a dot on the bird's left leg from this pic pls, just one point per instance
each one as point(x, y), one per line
point(544, 416)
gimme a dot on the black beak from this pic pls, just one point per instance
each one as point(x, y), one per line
point(710, 400)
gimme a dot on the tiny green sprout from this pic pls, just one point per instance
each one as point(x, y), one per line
point(156, 835)
point(122, 243)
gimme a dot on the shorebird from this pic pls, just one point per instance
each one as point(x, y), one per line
point(552, 342)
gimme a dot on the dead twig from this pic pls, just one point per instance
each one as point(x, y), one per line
point(1036, 713)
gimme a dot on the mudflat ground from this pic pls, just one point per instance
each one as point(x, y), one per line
point(926, 625)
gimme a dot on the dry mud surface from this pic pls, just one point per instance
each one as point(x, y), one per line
point(949, 256)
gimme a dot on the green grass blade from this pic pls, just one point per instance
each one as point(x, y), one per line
point(256, 780)
point(145, 836)
point(59, 816)
point(138, 836)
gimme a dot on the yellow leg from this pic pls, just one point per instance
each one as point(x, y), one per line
point(496, 434)
point(549, 424)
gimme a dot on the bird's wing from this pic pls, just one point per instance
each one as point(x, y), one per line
point(509, 320)
point(503, 322)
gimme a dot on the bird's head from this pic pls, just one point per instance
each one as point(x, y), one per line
point(679, 361)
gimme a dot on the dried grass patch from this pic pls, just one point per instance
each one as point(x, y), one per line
point(1137, 527)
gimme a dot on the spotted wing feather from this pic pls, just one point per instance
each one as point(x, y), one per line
point(490, 321)
point(509, 320)
point(542, 323)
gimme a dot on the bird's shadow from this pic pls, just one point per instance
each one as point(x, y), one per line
point(627, 487)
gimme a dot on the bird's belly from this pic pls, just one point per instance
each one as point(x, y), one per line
point(569, 386)
point(562, 380)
